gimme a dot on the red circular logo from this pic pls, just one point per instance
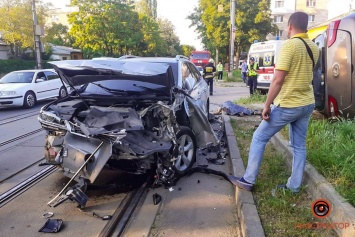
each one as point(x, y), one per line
point(321, 208)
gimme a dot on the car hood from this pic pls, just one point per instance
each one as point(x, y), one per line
point(12, 86)
point(79, 72)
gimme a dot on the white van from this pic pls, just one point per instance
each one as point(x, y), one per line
point(265, 54)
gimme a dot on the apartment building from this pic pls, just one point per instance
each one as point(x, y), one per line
point(281, 10)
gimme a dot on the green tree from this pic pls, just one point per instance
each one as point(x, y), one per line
point(253, 21)
point(148, 8)
point(106, 27)
point(171, 41)
point(187, 49)
point(57, 34)
point(16, 24)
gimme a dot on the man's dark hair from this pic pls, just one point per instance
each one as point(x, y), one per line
point(299, 20)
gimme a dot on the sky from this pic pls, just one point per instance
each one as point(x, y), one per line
point(174, 10)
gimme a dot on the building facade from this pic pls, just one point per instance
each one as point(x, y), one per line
point(281, 10)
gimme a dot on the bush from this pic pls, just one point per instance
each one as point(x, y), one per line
point(7, 66)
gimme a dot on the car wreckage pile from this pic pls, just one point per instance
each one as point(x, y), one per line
point(159, 127)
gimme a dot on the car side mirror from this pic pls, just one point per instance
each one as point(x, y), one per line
point(40, 80)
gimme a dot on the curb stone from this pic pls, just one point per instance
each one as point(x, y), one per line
point(318, 187)
point(248, 216)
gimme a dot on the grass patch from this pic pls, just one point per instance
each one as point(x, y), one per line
point(256, 98)
point(280, 212)
point(237, 76)
point(330, 149)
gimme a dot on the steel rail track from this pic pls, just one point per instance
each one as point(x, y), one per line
point(18, 117)
point(20, 137)
point(123, 213)
point(26, 184)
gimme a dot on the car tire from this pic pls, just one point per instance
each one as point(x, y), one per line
point(29, 100)
point(186, 151)
point(62, 92)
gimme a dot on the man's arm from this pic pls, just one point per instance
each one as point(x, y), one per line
point(275, 87)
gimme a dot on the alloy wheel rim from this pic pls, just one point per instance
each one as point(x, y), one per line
point(186, 152)
point(30, 100)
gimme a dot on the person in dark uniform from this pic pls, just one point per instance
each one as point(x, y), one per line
point(209, 70)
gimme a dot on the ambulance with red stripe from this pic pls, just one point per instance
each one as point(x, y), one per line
point(265, 54)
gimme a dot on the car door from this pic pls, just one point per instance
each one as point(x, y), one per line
point(201, 86)
point(53, 84)
point(40, 85)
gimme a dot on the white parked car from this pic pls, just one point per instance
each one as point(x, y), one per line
point(26, 87)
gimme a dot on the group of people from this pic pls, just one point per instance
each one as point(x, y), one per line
point(249, 73)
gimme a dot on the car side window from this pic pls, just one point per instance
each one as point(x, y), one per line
point(196, 74)
point(40, 75)
point(51, 75)
point(188, 78)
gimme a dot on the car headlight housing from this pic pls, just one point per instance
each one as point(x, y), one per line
point(7, 93)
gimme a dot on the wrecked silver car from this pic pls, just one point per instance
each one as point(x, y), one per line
point(130, 115)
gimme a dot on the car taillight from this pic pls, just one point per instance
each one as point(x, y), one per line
point(333, 107)
point(332, 32)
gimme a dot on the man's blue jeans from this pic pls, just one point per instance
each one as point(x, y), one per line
point(298, 119)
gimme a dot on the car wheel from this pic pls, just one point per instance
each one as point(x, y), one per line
point(29, 100)
point(62, 92)
point(187, 147)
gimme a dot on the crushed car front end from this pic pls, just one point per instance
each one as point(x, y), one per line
point(121, 116)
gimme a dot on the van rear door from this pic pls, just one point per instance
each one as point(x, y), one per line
point(339, 63)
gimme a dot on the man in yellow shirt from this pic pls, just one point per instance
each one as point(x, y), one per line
point(292, 93)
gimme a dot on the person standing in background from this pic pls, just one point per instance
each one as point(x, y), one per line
point(253, 68)
point(220, 71)
point(208, 71)
point(244, 71)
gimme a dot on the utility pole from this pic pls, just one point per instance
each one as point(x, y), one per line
point(37, 38)
point(232, 36)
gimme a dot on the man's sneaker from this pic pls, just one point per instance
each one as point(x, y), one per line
point(241, 183)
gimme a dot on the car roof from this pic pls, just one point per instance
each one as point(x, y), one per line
point(155, 59)
point(35, 70)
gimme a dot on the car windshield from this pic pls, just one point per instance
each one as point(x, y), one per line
point(200, 55)
point(17, 77)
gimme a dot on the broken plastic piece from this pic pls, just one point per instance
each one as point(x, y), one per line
point(156, 199)
point(171, 189)
point(215, 161)
point(47, 215)
point(203, 166)
point(51, 226)
point(104, 218)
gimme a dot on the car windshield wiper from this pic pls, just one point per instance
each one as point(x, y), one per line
point(148, 88)
point(109, 89)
